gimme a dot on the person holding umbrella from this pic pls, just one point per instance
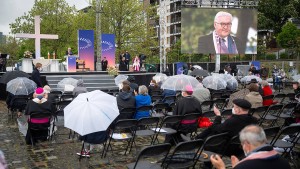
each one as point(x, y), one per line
point(35, 75)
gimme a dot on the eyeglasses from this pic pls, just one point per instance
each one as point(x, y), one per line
point(224, 24)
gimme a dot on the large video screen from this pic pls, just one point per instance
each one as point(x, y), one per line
point(218, 31)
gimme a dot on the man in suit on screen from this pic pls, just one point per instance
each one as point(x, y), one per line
point(220, 41)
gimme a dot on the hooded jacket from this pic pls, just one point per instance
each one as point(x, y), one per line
point(255, 99)
point(125, 100)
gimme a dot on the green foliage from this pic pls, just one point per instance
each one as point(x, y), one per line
point(270, 56)
point(273, 14)
point(287, 38)
point(284, 56)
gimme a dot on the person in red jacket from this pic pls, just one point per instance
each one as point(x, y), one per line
point(266, 92)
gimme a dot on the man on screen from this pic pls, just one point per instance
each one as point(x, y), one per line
point(220, 41)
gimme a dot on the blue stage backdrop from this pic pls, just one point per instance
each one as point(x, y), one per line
point(86, 48)
point(108, 48)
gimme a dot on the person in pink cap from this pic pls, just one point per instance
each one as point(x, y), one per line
point(186, 104)
point(38, 104)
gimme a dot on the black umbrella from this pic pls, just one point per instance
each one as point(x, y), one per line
point(199, 72)
point(8, 76)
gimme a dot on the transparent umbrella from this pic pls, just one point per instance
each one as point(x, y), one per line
point(214, 82)
point(197, 67)
point(21, 86)
point(247, 79)
point(120, 78)
point(160, 77)
point(67, 81)
point(91, 112)
point(178, 82)
point(232, 83)
point(296, 77)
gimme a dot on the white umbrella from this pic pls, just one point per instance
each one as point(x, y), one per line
point(67, 81)
point(197, 67)
point(120, 78)
point(232, 83)
point(247, 79)
point(91, 112)
point(21, 86)
point(215, 82)
point(160, 77)
point(178, 82)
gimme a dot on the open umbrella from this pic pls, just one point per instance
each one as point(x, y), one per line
point(296, 77)
point(91, 112)
point(120, 78)
point(21, 86)
point(178, 82)
point(8, 76)
point(67, 81)
point(232, 83)
point(197, 67)
point(214, 82)
point(200, 72)
point(247, 79)
point(160, 77)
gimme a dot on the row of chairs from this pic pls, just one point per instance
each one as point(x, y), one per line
point(281, 98)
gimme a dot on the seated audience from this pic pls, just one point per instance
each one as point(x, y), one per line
point(153, 87)
point(296, 88)
point(38, 104)
point(125, 99)
point(259, 154)
point(201, 94)
point(266, 92)
point(132, 84)
point(80, 88)
point(254, 97)
point(142, 99)
point(167, 92)
point(48, 95)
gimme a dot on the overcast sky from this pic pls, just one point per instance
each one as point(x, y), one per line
point(11, 9)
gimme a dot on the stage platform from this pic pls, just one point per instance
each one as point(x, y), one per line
point(94, 80)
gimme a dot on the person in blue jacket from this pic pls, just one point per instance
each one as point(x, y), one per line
point(142, 99)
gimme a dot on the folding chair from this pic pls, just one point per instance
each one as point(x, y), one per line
point(291, 97)
point(207, 105)
point(62, 104)
point(287, 146)
point(287, 110)
point(234, 148)
point(189, 124)
point(226, 112)
point(18, 103)
point(66, 97)
point(271, 114)
point(209, 114)
point(184, 155)
point(220, 103)
point(269, 97)
point(216, 95)
point(259, 111)
point(145, 108)
point(156, 98)
point(156, 92)
point(39, 122)
point(160, 150)
point(165, 127)
point(213, 144)
point(160, 109)
point(123, 130)
point(279, 98)
point(126, 113)
point(169, 99)
point(271, 132)
point(144, 126)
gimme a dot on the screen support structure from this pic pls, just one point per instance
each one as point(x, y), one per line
point(218, 61)
point(162, 34)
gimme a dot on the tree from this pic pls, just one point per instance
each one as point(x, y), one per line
point(273, 14)
point(57, 17)
point(287, 38)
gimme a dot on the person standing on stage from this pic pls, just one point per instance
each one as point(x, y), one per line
point(127, 59)
point(136, 64)
point(35, 75)
point(69, 52)
point(104, 63)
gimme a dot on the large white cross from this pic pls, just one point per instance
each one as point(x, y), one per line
point(37, 36)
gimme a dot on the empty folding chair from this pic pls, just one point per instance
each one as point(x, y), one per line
point(271, 114)
point(66, 97)
point(220, 103)
point(184, 155)
point(156, 98)
point(207, 105)
point(279, 98)
point(291, 97)
point(271, 132)
point(144, 127)
point(165, 128)
point(287, 110)
point(154, 151)
point(123, 130)
point(259, 112)
point(160, 109)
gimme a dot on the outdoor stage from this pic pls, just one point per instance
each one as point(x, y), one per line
point(141, 78)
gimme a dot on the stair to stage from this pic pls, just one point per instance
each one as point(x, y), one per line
point(91, 81)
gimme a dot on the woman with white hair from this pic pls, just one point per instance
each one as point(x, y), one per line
point(142, 99)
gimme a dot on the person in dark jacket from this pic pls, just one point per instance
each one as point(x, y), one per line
point(132, 84)
point(122, 65)
point(35, 75)
point(125, 99)
point(167, 92)
point(296, 88)
point(259, 154)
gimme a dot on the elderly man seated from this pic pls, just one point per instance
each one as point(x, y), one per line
point(259, 155)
